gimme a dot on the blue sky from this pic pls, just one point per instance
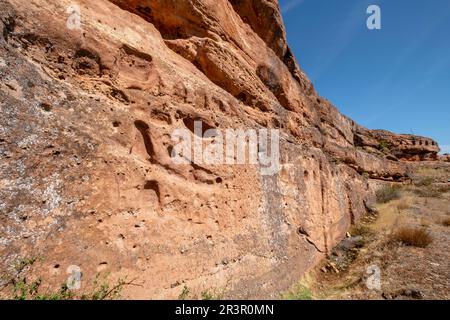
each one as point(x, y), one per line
point(396, 78)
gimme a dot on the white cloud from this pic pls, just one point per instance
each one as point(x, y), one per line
point(292, 4)
point(445, 148)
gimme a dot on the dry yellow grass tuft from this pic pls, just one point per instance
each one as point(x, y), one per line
point(416, 237)
point(425, 222)
point(424, 182)
point(403, 204)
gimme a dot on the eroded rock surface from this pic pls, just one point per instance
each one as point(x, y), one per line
point(86, 176)
point(398, 146)
point(445, 157)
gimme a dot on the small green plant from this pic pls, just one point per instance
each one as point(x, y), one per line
point(63, 294)
point(206, 295)
point(184, 293)
point(388, 193)
point(102, 289)
point(22, 290)
point(384, 146)
point(25, 262)
point(25, 291)
point(298, 292)
point(213, 294)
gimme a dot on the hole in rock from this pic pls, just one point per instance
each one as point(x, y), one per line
point(46, 106)
point(153, 185)
point(144, 129)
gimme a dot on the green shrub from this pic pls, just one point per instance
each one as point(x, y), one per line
point(103, 291)
point(299, 292)
point(184, 293)
point(384, 146)
point(387, 194)
point(206, 295)
point(22, 290)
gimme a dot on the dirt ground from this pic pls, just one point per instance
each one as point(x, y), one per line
point(373, 264)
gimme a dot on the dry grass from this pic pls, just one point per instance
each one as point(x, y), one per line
point(360, 230)
point(403, 204)
point(443, 188)
point(446, 222)
point(416, 237)
point(428, 192)
point(388, 193)
point(424, 182)
point(425, 222)
point(427, 176)
point(431, 173)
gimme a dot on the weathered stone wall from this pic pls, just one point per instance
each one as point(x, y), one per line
point(85, 173)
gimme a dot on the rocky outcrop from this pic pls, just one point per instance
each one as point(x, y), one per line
point(397, 146)
point(445, 157)
point(86, 120)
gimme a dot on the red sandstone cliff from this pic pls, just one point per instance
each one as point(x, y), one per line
point(85, 173)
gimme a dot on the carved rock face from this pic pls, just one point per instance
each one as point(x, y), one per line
point(86, 120)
